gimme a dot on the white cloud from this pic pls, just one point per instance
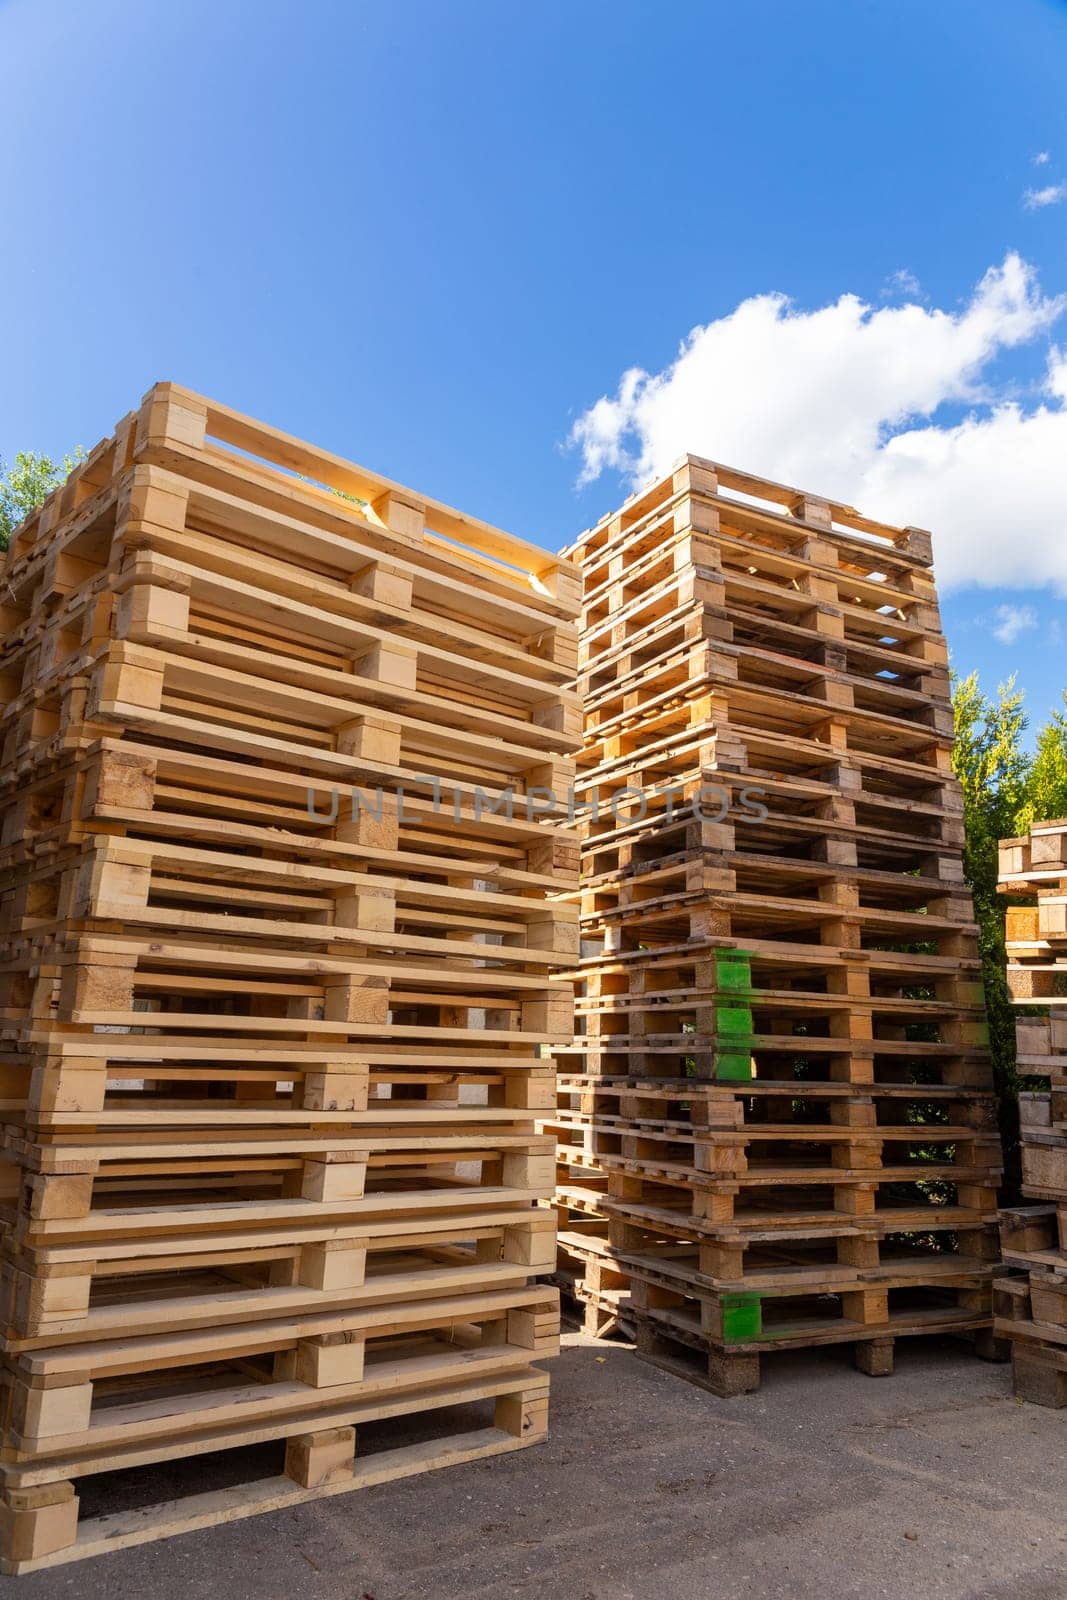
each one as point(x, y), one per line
point(840, 401)
point(1012, 621)
point(903, 281)
point(1042, 158)
point(1036, 199)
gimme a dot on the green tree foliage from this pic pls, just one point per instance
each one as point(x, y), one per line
point(340, 493)
point(29, 482)
point(993, 769)
point(1005, 790)
point(1046, 789)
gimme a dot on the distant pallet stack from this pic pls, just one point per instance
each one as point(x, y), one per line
point(280, 987)
point(1031, 1306)
point(777, 1125)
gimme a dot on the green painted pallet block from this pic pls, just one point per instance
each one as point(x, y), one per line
point(742, 1317)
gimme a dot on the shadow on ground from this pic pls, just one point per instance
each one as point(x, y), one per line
point(825, 1485)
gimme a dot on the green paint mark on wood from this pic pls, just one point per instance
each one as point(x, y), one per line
point(732, 1066)
point(733, 970)
point(742, 1317)
point(733, 1020)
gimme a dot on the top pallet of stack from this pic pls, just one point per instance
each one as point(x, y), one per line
point(212, 445)
point(749, 489)
point(1035, 866)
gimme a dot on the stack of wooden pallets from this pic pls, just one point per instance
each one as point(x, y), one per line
point(777, 1126)
point(1031, 1305)
point(279, 987)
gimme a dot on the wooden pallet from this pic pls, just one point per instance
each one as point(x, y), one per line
point(1030, 1311)
point(124, 1394)
point(1031, 1306)
point(39, 1514)
point(284, 759)
point(675, 1339)
point(780, 1083)
point(107, 1289)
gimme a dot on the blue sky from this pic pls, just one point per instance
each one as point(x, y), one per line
point(434, 236)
